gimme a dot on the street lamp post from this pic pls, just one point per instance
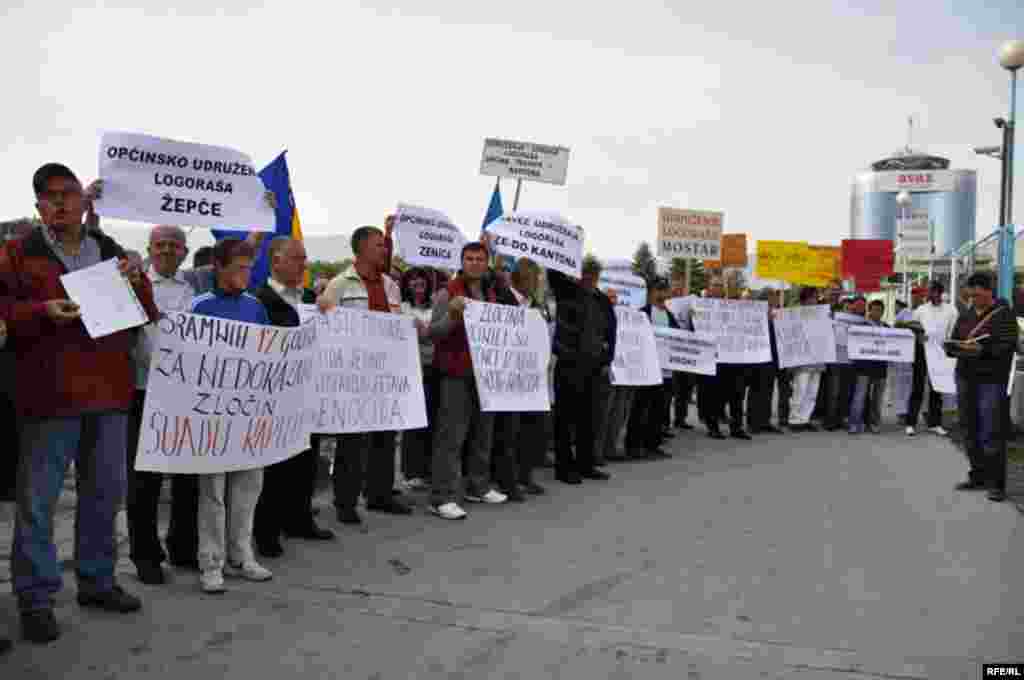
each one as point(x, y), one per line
point(1011, 57)
point(903, 203)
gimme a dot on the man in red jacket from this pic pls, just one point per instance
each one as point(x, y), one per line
point(74, 394)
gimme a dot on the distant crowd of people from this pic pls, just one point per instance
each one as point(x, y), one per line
point(79, 399)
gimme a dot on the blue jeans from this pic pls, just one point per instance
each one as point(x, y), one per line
point(97, 443)
point(864, 386)
point(984, 414)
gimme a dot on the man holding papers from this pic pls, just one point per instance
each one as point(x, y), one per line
point(983, 342)
point(74, 394)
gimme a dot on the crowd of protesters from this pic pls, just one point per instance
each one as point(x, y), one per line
point(79, 399)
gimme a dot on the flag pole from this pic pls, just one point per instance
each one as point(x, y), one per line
point(515, 203)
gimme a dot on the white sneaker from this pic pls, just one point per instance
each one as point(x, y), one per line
point(448, 511)
point(212, 581)
point(250, 571)
point(492, 497)
point(939, 430)
point(911, 432)
point(416, 483)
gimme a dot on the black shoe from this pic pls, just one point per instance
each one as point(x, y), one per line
point(657, 453)
point(311, 532)
point(188, 565)
point(970, 485)
point(600, 463)
point(392, 506)
point(684, 426)
point(811, 427)
point(349, 516)
point(770, 429)
point(740, 434)
point(269, 548)
point(514, 495)
point(5, 646)
point(39, 626)
point(534, 488)
point(716, 434)
point(594, 473)
point(568, 478)
point(616, 459)
point(114, 600)
point(151, 573)
point(996, 495)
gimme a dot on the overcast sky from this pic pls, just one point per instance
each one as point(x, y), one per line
point(763, 110)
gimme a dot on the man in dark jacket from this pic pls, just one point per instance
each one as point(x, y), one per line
point(286, 501)
point(983, 343)
point(585, 330)
point(869, 383)
point(74, 394)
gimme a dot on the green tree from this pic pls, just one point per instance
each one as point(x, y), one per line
point(698, 277)
point(644, 264)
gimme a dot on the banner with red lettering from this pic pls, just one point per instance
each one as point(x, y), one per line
point(867, 261)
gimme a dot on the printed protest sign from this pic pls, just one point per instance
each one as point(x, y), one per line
point(804, 336)
point(680, 350)
point(225, 395)
point(680, 308)
point(841, 323)
point(630, 288)
point(427, 238)
point(741, 327)
point(524, 160)
point(546, 238)
point(510, 350)
point(941, 368)
point(636, 354)
point(368, 376)
point(161, 181)
point(881, 344)
point(690, 233)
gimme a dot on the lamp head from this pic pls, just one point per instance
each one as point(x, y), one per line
point(1011, 55)
point(1000, 122)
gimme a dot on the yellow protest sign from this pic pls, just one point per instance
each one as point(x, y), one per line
point(823, 266)
point(781, 260)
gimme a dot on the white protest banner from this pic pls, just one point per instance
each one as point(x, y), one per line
point(510, 350)
point(546, 238)
point(680, 350)
point(941, 368)
point(690, 233)
point(161, 181)
point(680, 308)
point(368, 376)
point(841, 323)
point(804, 336)
point(226, 395)
point(630, 288)
point(523, 160)
point(877, 343)
point(426, 237)
point(636, 354)
point(741, 327)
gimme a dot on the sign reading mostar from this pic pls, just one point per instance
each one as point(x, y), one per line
point(524, 160)
point(690, 233)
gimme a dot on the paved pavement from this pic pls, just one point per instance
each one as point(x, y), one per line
point(810, 556)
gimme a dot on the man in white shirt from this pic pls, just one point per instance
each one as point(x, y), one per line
point(171, 293)
point(938, 319)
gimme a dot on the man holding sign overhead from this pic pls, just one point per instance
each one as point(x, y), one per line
point(73, 397)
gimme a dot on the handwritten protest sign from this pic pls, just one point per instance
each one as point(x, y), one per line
point(781, 260)
point(631, 289)
point(841, 323)
point(546, 238)
point(161, 181)
point(680, 350)
point(867, 261)
point(225, 395)
point(427, 237)
point(368, 376)
point(881, 344)
point(690, 233)
point(823, 266)
point(510, 350)
point(734, 252)
point(741, 327)
point(941, 368)
point(636, 354)
point(804, 336)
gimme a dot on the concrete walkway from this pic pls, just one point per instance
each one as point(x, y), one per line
point(810, 556)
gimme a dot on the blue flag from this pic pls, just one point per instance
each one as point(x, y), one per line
point(276, 178)
point(494, 210)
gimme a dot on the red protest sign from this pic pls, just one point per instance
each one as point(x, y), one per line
point(867, 260)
